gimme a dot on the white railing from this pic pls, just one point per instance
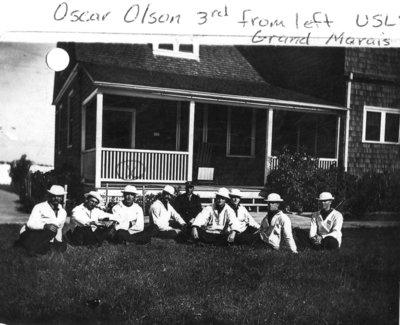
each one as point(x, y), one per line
point(89, 164)
point(327, 163)
point(323, 163)
point(144, 165)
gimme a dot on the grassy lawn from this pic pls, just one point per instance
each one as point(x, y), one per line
point(168, 283)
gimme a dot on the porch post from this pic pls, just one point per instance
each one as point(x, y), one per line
point(99, 140)
point(268, 147)
point(191, 137)
point(347, 126)
point(338, 140)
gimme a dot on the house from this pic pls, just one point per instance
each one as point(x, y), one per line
point(168, 113)
point(364, 80)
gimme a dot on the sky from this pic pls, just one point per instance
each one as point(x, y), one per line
point(26, 113)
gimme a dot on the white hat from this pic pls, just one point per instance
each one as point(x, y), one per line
point(130, 189)
point(169, 189)
point(223, 192)
point(94, 194)
point(235, 192)
point(273, 197)
point(325, 196)
point(57, 190)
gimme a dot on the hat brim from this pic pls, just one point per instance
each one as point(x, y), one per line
point(164, 191)
point(274, 201)
point(219, 194)
point(93, 196)
point(131, 192)
point(56, 194)
point(327, 199)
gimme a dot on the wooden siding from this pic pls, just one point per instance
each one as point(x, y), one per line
point(69, 157)
point(376, 83)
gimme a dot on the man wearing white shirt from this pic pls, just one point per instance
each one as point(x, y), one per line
point(326, 225)
point(43, 230)
point(276, 225)
point(216, 224)
point(92, 223)
point(247, 224)
point(130, 220)
point(169, 223)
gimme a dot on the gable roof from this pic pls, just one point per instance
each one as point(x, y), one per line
point(220, 70)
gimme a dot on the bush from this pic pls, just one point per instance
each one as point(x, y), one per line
point(299, 181)
point(376, 192)
point(41, 182)
point(19, 169)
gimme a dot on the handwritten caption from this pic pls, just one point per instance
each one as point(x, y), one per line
point(259, 27)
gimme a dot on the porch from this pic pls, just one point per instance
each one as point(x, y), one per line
point(136, 137)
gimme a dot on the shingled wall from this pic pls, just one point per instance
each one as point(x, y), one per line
point(69, 157)
point(376, 83)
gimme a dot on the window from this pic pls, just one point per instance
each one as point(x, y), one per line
point(381, 125)
point(70, 119)
point(241, 132)
point(178, 50)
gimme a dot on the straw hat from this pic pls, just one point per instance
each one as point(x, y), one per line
point(95, 195)
point(325, 196)
point(130, 189)
point(223, 192)
point(169, 189)
point(273, 197)
point(235, 192)
point(57, 190)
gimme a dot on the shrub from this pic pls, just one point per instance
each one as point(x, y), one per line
point(41, 182)
point(299, 181)
point(19, 169)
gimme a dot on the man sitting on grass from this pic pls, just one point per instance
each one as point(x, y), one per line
point(326, 225)
point(216, 224)
point(276, 225)
point(169, 223)
point(130, 221)
point(43, 230)
point(247, 224)
point(93, 225)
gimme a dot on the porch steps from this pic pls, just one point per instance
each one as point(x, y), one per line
point(251, 194)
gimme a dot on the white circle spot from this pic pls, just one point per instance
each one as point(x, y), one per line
point(57, 59)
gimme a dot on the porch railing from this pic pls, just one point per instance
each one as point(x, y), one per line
point(323, 163)
point(144, 165)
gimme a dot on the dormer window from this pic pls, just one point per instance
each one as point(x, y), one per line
point(177, 50)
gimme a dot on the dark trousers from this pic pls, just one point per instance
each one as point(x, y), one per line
point(248, 237)
point(329, 243)
point(84, 236)
point(213, 239)
point(142, 237)
point(302, 239)
point(179, 233)
point(38, 242)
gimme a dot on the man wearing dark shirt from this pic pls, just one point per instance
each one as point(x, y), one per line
point(188, 204)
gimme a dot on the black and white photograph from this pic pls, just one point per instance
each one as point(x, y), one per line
point(171, 181)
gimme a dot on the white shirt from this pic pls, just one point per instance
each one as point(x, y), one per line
point(280, 226)
point(217, 223)
point(245, 219)
point(42, 214)
point(331, 226)
point(82, 216)
point(128, 218)
point(161, 215)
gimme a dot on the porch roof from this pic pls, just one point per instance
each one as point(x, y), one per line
point(220, 70)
